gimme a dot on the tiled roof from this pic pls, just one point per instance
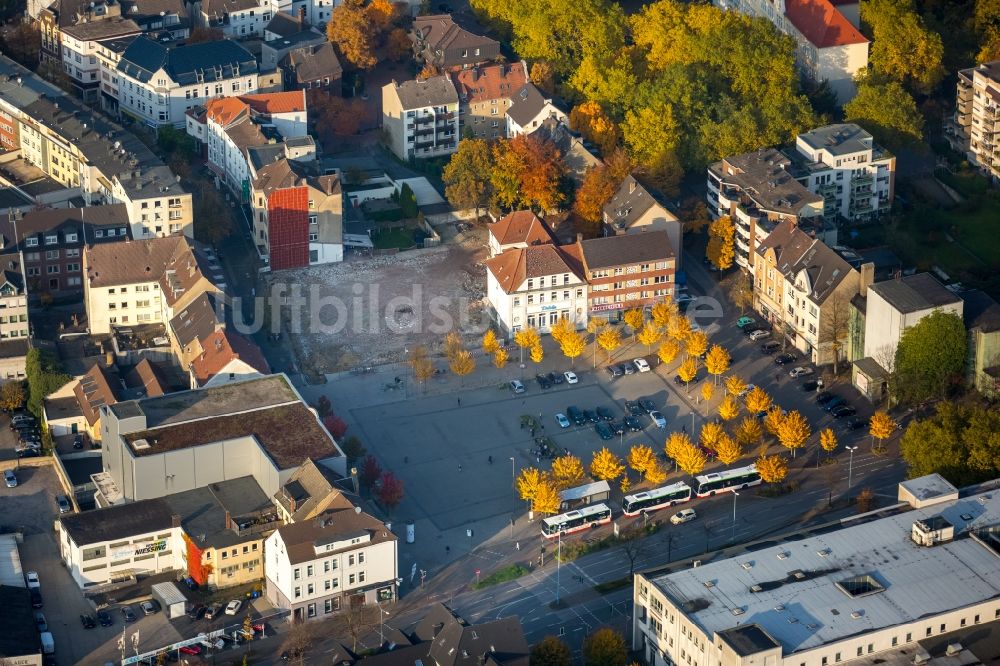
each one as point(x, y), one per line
point(512, 267)
point(300, 538)
point(315, 62)
point(288, 173)
point(521, 226)
point(612, 251)
point(435, 91)
point(631, 202)
point(486, 82)
point(279, 102)
point(441, 32)
point(981, 312)
point(224, 110)
point(75, 220)
point(311, 488)
point(122, 521)
point(284, 25)
point(188, 64)
point(183, 270)
point(913, 293)
point(199, 319)
point(528, 102)
point(108, 28)
point(822, 24)
point(130, 261)
point(222, 346)
point(94, 390)
point(149, 377)
point(797, 251)
point(222, 7)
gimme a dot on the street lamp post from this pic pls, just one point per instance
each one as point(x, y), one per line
point(513, 495)
point(850, 464)
point(735, 495)
point(558, 563)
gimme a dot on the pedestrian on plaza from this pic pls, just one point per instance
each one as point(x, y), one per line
point(777, 378)
point(459, 402)
point(491, 460)
point(517, 546)
point(684, 428)
point(459, 467)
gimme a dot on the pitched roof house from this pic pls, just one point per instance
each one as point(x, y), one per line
point(441, 42)
point(636, 208)
point(227, 356)
point(520, 228)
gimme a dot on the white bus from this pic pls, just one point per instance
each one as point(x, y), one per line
point(656, 499)
point(576, 520)
point(726, 481)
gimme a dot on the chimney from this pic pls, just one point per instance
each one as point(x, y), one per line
point(867, 278)
point(175, 520)
point(302, 17)
point(292, 505)
point(229, 521)
point(579, 238)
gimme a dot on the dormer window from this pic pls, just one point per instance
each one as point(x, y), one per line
point(51, 239)
point(31, 242)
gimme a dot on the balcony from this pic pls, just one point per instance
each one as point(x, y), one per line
point(423, 120)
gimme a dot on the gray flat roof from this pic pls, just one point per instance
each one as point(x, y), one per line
point(840, 139)
point(913, 293)
point(791, 589)
point(928, 487)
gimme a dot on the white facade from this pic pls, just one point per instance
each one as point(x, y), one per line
point(155, 214)
point(161, 101)
point(538, 302)
point(107, 561)
point(884, 324)
point(241, 21)
point(122, 305)
point(317, 12)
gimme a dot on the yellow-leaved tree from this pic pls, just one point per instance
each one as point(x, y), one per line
point(641, 457)
point(422, 367)
point(793, 431)
point(880, 427)
point(527, 338)
point(606, 466)
point(710, 433)
point(735, 385)
point(729, 409)
point(500, 358)
point(696, 344)
point(561, 329)
point(675, 442)
point(707, 391)
point(572, 345)
point(462, 364)
point(772, 469)
point(609, 339)
point(688, 370)
point(828, 440)
point(490, 343)
point(758, 401)
point(773, 420)
point(749, 431)
point(649, 335)
point(721, 249)
point(539, 489)
point(452, 345)
point(679, 328)
point(655, 474)
point(668, 351)
point(690, 459)
point(662, 312)
point(567, 471)
point(537, 354)
point(717, 361)
point(633, 318)
point(728, 450)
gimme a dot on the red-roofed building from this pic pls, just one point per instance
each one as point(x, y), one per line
point(518, 229)
point(227, 357)
point(485, 92)
point(830, 46)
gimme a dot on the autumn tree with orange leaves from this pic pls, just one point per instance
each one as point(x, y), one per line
point(527, 171)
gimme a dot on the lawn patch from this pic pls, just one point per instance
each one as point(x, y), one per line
point(400, 237)
point(513, 572)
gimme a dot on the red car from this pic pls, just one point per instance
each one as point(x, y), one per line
point(191, 649)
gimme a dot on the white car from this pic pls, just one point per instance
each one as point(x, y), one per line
point(749, 388)
point(800, 371)
point(571, 377)
point(516, 386)
point(658, 419)
point(32, 578)
point(562, 420)
point(233, 607)
point(641, 365)
point(10, 478)
point(683, 516)
point(759, 334)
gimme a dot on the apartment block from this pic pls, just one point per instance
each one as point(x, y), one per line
point(486, 92)
point(974, 127)
point(80, 43)
point(15, 330)
point(441, 42)
point(636, 208)
point(237, 19)
point(421, 117)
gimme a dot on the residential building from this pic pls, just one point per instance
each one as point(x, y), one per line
point(536, 286)
point(636, 208)
point(51, 240)
point(147, 379)
point(15, 329)
point(866, 592)
point(312, 490)
point(55, 15)
point(972, 130)
point(519, 229)
point(80, 43)
point(891, 307)
point(804, 289)
point(759, 190)
point(97, 388)
point(158, 83)
point(237, 19)
point(829, 46)
point(421, 118)
point(283, 35)
point(341, 557)
point(311, 67)
point(193, 324)
point(227, 357)
point(312, 12)
point(143, 282)
point(152, 447)
point(215, 534)
point(79, 148)
point(485, 93)
point(529, 108)
point(164, 19)
point(629, 271)
point(439, 41)
point(982, 321)
point(298, 215)
point(576, 155)
point(854, 175)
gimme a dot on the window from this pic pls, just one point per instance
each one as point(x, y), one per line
point(361, 558)
point(942, 628)
point(296, 574)
point(51, 239)
point(361, 577)
point(298, 591)
point(350, 560)
point(350, 579)
point(310, 589)
point(909, 637)
point(70, 238)
point(328, 606)
point(311, 610)
point(929, 631)
point(31, 242)
point(895, 641)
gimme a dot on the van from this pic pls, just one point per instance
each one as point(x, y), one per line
point(48, 643)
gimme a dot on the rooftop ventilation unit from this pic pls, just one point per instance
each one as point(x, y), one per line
point(932, 531)
point(140, 444)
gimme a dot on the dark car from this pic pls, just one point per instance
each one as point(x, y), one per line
point(784, 359)
point(87, 621)
point(833, 403)
point(856, 423)
point(556, 378)
point(36, 598)
point(128, 614)
point(196, 612)
point(543, 381)
point(770, 347)
point(27, 451)
point(590, 416)
point(647, 405)
point(633, 408)
point(615, 371)
point(618, 427)
point(575, 415)
point(633, 423)
point(78, 442)
point(605, 414)
point(104, 618)
point(603, 430)
point(810, 385)
point(628, 368)
point(824, 397)
point(843, 411)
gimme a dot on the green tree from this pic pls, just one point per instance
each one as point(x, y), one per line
point(930, 357)
point(45, 376)
point(652, 135)
point(467, 175)
point(887, 111)
point(962, 443)
point(605, 647)
point(550, 651)
point(903, 48)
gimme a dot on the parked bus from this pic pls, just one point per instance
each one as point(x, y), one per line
point(591, 493)
point(656, 499)
point(726, 481)
point(576, 520)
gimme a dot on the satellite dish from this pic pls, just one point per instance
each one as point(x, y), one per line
point(357, 509)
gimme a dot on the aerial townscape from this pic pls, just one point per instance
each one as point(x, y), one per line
point(280, 278)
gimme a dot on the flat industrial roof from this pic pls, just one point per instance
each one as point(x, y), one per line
point(795, 591)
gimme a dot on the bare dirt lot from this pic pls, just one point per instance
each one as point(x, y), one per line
point(370, 311)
